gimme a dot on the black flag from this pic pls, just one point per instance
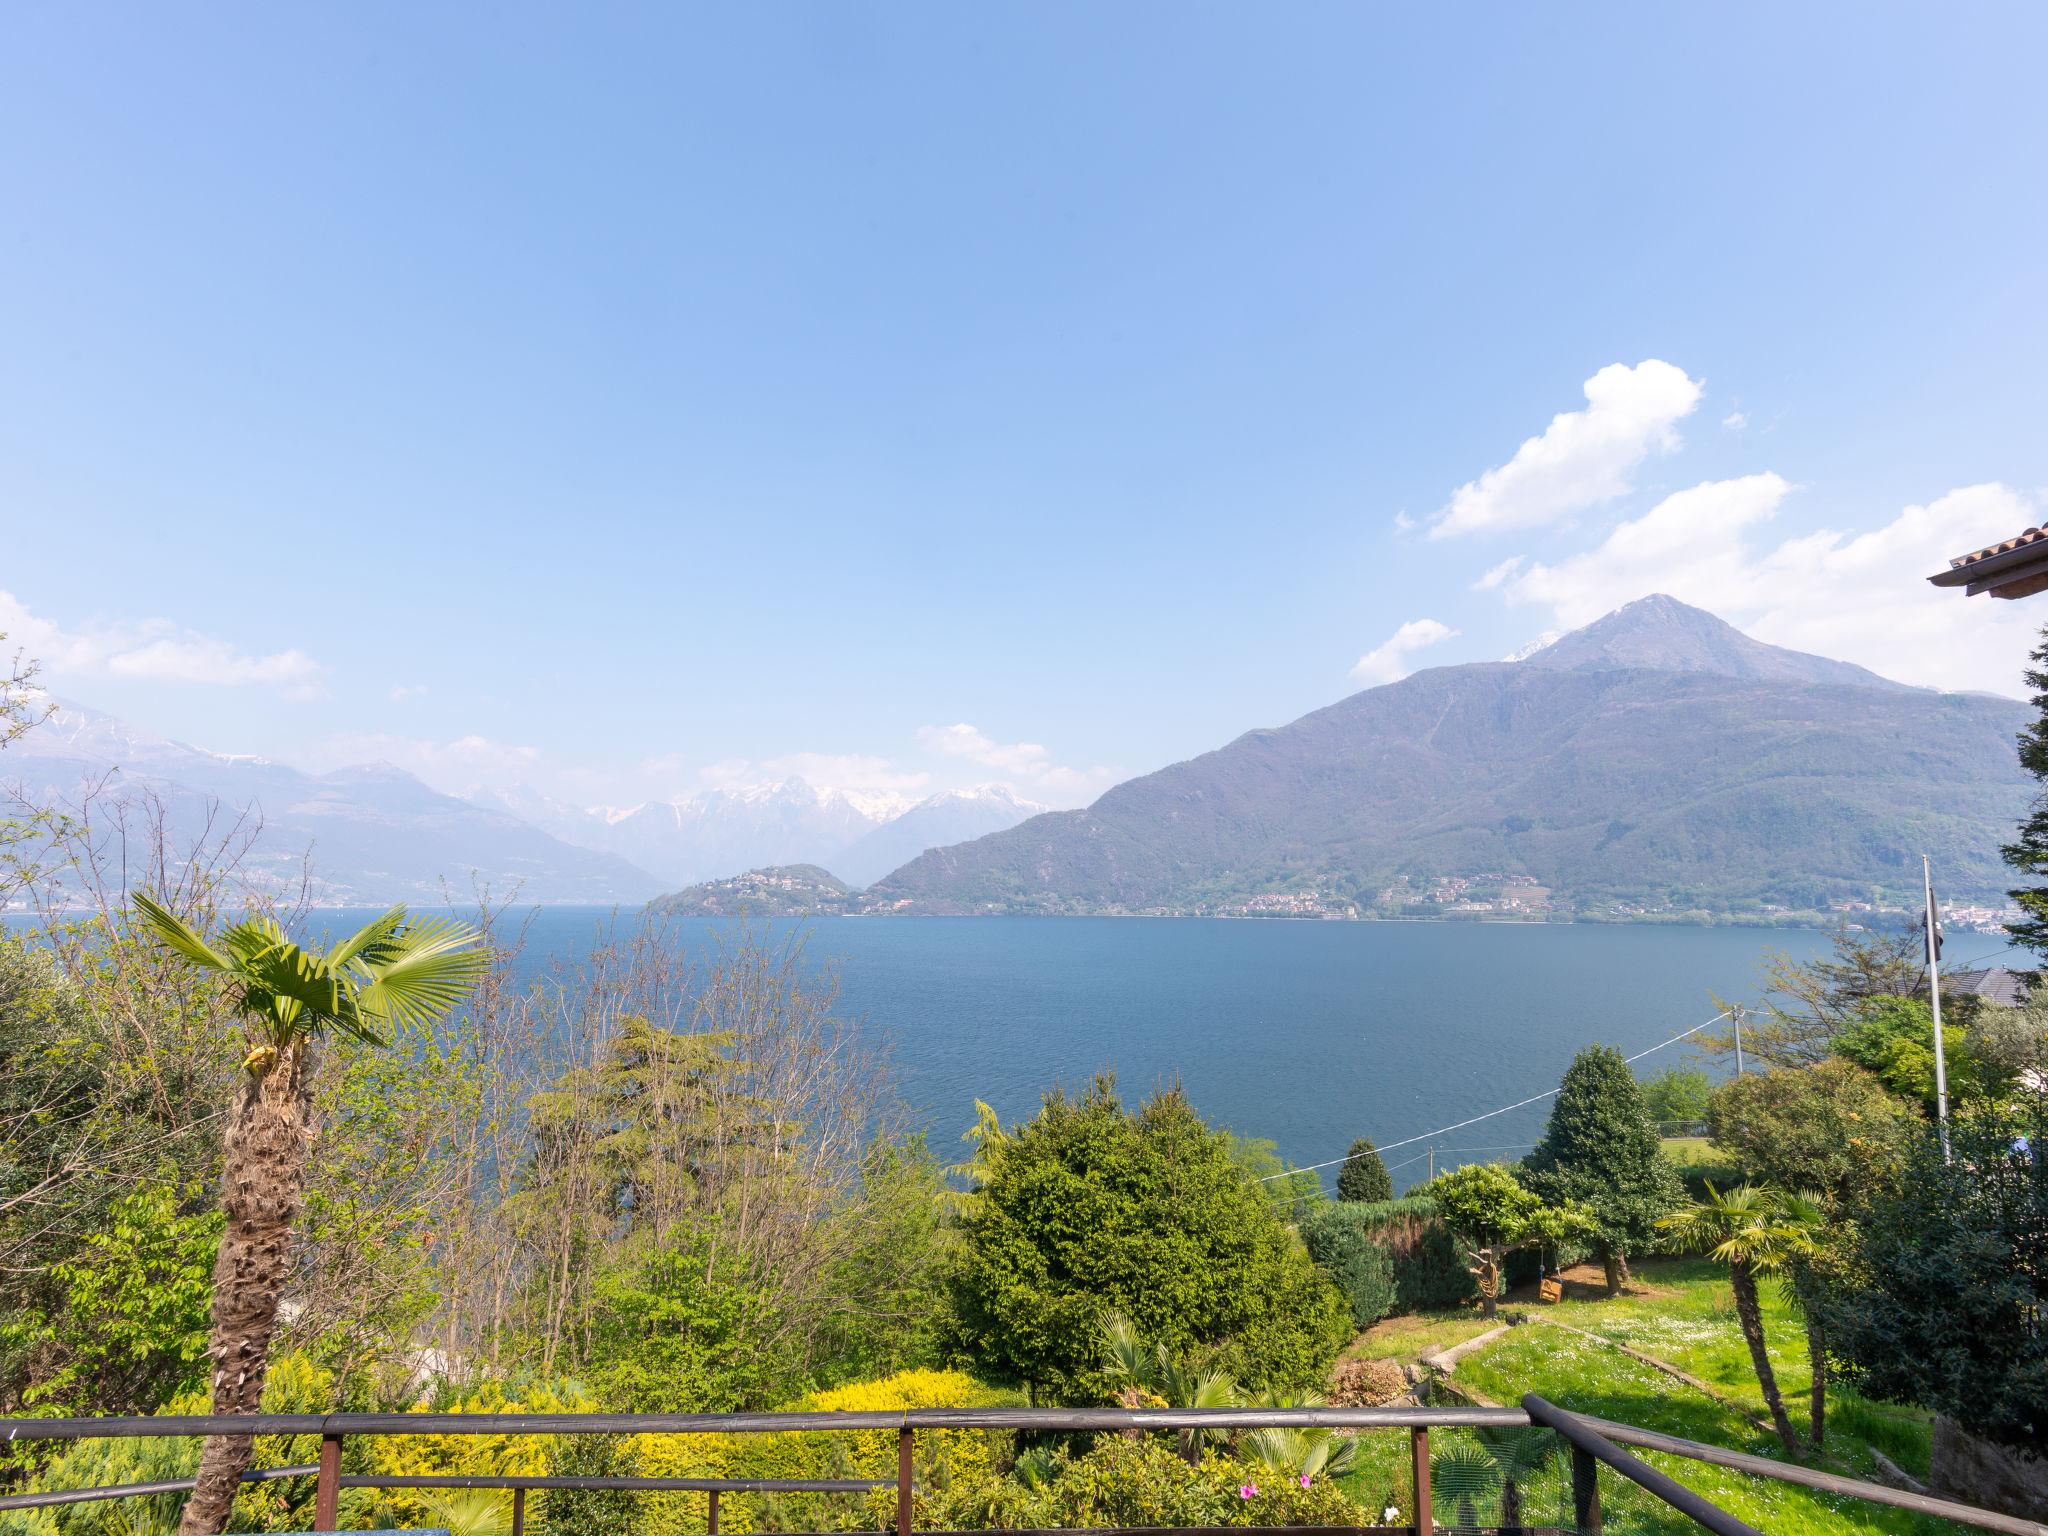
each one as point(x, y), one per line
point(1930, 931)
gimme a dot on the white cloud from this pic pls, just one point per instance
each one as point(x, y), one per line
point(1735, 421)
point(1051, 782)
point(1387, 662)
point(1499, 573)
point(406, 691)
point(153, 650)
point(1691, 538)
point(1857, 597)
point(723, 774)
point(1583, 458)
point(1025, 757)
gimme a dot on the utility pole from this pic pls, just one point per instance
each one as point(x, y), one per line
point(1739, 1011)
point(1933, 937)
point(1432, 1161)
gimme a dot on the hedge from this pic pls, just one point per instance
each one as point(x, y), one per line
point(1427, 1270)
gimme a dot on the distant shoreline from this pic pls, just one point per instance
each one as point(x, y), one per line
point(628, 909)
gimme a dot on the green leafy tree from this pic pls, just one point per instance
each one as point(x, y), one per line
point(1493, 1214)
point(1892, 1038)
point(1364, 1175)
point(1754, 1231)
point(1807, 1003)
point(887, 1278)
point(1293, 1191)
point(1944, 1302)
point(1600, 1149)
point(132, 1326)
point(1089, 1208)
point(390, 972)
point(1829, 1127)
point(1677, 1093)
point(675, 1332)
point(2028, 853)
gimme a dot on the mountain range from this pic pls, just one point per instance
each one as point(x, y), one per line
point(373, 833)
point(1657, 760)
point(368, 834)
point(717, 833)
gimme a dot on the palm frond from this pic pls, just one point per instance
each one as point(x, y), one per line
point(376, 932)
point(175, 934)
point(422, 974)
point(1123, 1349)
point(1518, 1450)
point(305, 992)
point(1463, 1471)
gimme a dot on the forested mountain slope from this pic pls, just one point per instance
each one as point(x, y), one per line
point(1658, 757)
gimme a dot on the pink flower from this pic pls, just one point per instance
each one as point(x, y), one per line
point(1304, 1479)
point(1248, 1491)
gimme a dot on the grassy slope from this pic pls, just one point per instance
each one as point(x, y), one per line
point(1684, 1315)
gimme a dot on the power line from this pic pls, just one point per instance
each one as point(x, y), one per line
point(1534, 1098)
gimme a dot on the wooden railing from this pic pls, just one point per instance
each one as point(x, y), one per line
point(1594, 1443)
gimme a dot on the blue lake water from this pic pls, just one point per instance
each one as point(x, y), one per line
point(1308, 1033)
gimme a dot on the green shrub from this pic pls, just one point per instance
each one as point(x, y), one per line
point(1354, 1257)
point(1090, 1208)
point(1142, 1483)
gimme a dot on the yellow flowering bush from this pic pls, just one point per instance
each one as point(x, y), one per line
point(458, 1455)
point(941, 1457)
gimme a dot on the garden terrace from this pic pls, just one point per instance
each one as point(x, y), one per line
point(1600, 1484)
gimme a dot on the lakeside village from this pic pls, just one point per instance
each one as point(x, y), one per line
point(1488, 896)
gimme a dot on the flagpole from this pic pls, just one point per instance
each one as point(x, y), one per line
point(1934, 997)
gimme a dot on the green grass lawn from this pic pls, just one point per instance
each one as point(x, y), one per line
point(1409, 1338)
point(1683, 1312)
point(1692, 1149)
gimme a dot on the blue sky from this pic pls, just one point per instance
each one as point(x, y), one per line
point(625, 400)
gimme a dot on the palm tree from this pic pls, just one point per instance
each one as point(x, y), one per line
point(392, 973)
point(1750, 1230)
point(1805, 1217)
point(1518, 1452)
point(1464, 1473)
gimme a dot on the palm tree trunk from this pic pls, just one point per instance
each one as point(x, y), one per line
point(1510, 1502)
point(1817, 1361)
point(262, 1177)
point(1749, 1312)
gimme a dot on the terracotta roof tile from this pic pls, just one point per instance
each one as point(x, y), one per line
point(2018, 541)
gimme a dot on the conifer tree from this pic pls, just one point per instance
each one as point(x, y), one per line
point(2029, 855)
point(1600, 1148)
point(1364, 1175)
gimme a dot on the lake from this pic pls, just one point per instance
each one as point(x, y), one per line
point(1310, 1033)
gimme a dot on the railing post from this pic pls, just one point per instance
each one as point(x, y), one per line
point(1418, 1452)
point(327, 1489)
point(903, 1481)
point(519, 1512)
point(711, 1520)
point(1585, 1492)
